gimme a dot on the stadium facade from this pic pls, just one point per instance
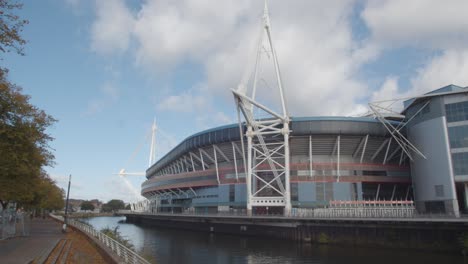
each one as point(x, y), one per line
point(347, 159)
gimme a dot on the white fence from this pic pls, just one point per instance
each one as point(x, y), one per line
point(125, 254)
point(363, 212)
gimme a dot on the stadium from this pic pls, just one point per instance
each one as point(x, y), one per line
point(332, 159)
point(271, 163)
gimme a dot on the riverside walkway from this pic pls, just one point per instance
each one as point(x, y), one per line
point(47, 244)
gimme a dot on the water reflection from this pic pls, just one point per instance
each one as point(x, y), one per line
point(180, 246)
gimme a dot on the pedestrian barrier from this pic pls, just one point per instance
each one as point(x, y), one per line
point(125, 254)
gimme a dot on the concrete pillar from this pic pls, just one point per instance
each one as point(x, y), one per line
point(465, 195)
point(248, 178)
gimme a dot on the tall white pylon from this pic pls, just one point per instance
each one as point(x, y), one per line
point(267, 179)
point(152, 155)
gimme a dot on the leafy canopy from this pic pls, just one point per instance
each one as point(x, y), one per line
point(87, 206)
point(24, 142)
point(113, 205)
point(11, 26)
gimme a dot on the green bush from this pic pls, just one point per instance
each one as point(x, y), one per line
point(115, 234)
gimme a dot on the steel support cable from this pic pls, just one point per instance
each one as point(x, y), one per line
point(137, 150)
point(401, 140)
point(415, 114)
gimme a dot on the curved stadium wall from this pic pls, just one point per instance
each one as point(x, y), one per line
point(331, 159)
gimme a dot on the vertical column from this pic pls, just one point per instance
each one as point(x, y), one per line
point(248, 181)
point(466, 195)
point(338, 159)
point(216, 164)
point(310, 156)
point(193, 164)
point(201, 157)
point(235, 161)
point(287, 193)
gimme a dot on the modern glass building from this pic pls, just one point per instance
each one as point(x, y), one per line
point(440, 131)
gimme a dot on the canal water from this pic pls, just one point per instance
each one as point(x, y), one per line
point(164, 245)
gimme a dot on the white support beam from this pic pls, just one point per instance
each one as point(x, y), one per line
point(310, 156)
point(405, 144)
point(359, 146)
point(216, 163)
point(334, 147)
point(386, 152)
point(338, 159)
point(191, 189)
point(378, 192)
point(380, 148)
point(393, 192)
point(263, 158)
point(207, 155)
point(401, 157)
point(235, 160)
point(180, 191)
point(176, 194)
point(193, 164)
point(188, 165)
point(222, 153)
point(201, 158)
point(394, 152)
point(181, 165)
point(364, 148)
point(193, 155)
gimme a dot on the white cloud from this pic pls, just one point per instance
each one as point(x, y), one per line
point(424, 23)
point(437, 26)
point(317, 54)
point(388, 90)
point(186, 102)
point(451, 67)
point(111, 31)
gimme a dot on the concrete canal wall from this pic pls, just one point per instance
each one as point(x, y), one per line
point(428, 234)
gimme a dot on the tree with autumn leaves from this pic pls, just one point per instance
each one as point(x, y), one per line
point(24, 141)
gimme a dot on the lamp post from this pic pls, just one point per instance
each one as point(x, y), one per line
point(65, 222)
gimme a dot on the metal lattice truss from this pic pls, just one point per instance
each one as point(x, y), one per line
point(267, 178)
point(382, 111)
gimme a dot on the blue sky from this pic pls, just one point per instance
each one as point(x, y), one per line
point(105, 69)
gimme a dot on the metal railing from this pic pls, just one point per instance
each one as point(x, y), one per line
point(363, 212)
point(398, 210)
point(125, 254)
point(331, 213)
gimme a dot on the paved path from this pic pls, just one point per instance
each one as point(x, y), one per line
point(44, 235)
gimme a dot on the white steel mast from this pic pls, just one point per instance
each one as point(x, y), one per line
point(267, 179)
point(152, 155)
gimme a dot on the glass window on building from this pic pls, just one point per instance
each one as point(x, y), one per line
point(458, 136)
point(232, 193)
point(460, 163)
point(457, 112)
point(294, 192)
